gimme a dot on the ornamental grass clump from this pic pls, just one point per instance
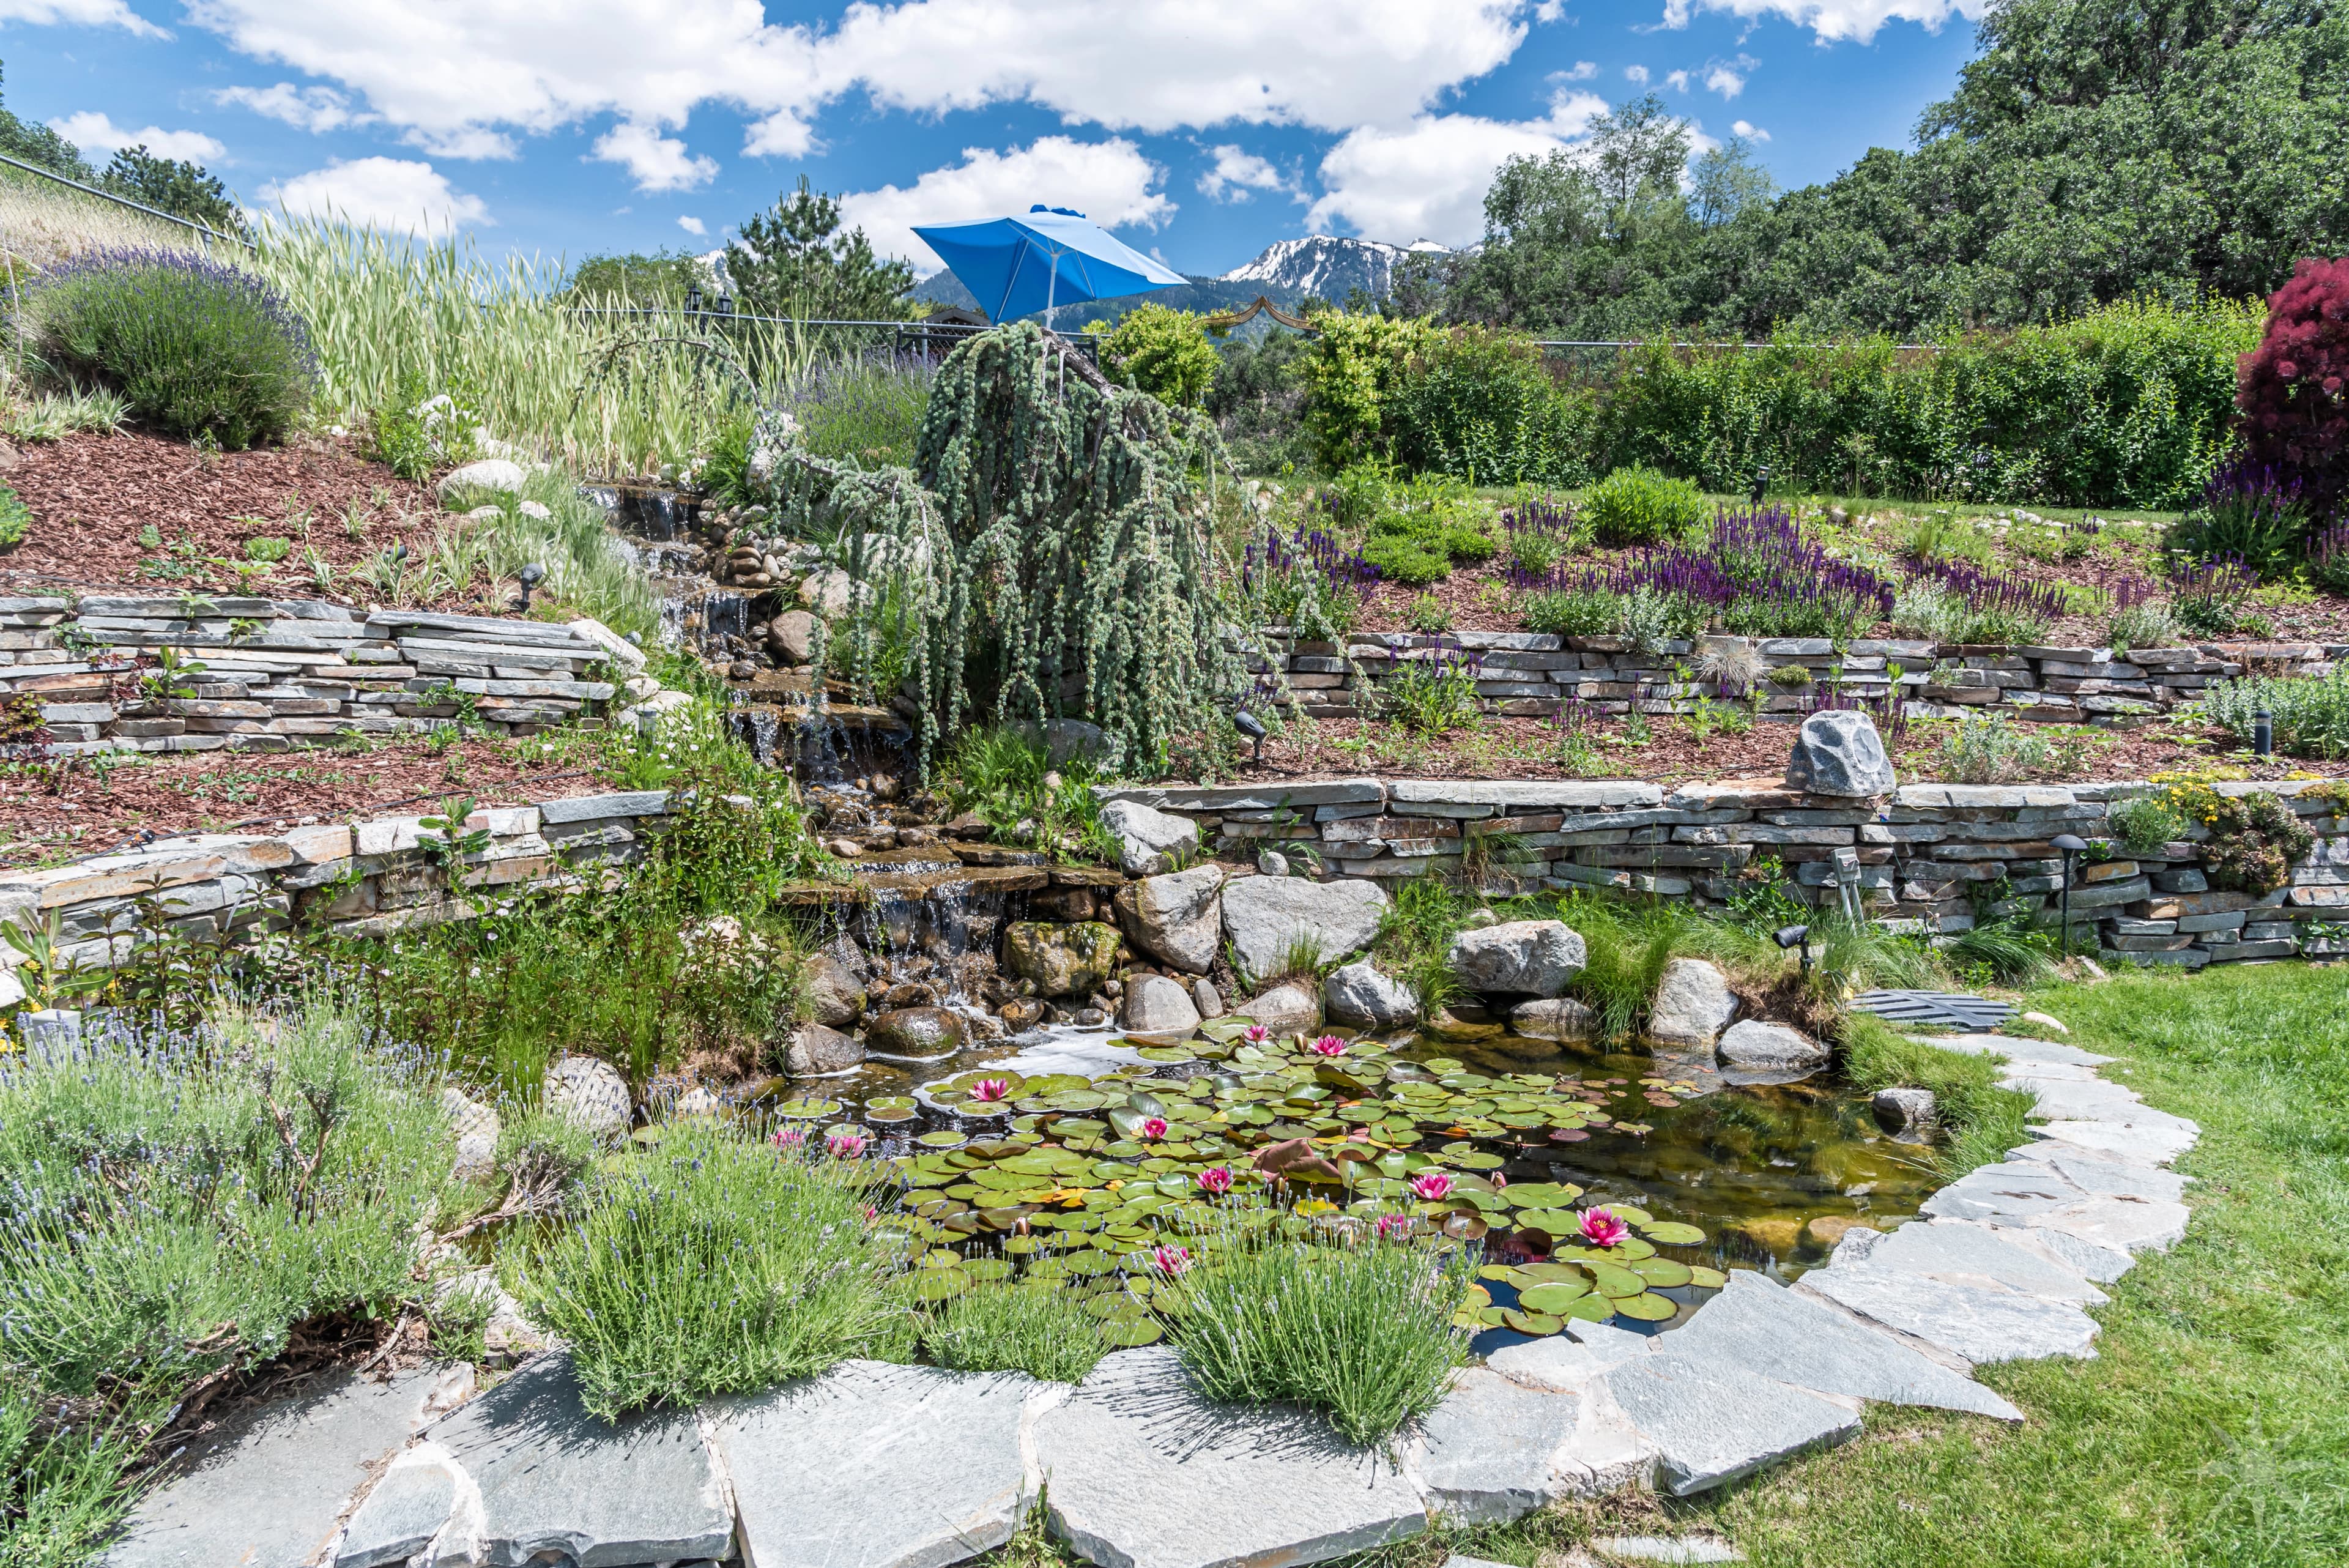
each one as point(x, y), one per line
point(711, 1263)
point(196, 349)
point(1358, 1328)
point(1045, 1332)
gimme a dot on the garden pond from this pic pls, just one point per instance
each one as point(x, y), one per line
point(1602, 1187)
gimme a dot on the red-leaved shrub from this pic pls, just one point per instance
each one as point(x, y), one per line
point(2294, 388)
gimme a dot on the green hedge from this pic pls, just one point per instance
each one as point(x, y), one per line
point(2128, 406)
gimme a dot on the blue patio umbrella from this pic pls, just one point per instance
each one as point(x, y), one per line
point(1019, 265)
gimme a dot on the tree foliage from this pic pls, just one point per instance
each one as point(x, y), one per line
point(660, 278)
point(793, 260)
point(168, 185)
point(1164, 352)
point(2296, 385)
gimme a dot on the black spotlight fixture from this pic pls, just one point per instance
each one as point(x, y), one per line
point(1761, 485)
point(2073, 845)
point(530, 576)
point(1798, 937)
point(2263, 733)
point(1251, 726)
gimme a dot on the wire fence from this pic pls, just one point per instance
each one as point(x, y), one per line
point(122, 200)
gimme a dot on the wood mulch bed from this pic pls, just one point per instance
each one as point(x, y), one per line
point(92, 496)
point(72, 807)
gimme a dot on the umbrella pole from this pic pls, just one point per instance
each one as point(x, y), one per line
point(1060, 365)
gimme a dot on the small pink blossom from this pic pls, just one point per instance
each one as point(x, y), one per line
point(1171, 1261)
point(989, 1091)
point(1255, 1034)
point(1328, 1045)
point(846, 1144)
point(871, 1213)
point(1600, 1228)
point(1215, 1180)
point(1154, 1127)
point(788, 1137)
point(1500, 1182)
point(1392, 1227)
point(1433, 1186)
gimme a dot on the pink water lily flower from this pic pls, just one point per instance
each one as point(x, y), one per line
point(1215, 1180)
point(1171, 1261)
point(846, 1144)
point(788, 1137)
point(1601, 1228)
point(1154, 1127)
point(989, 1091)
point(1392, 1227)
point(1255, 1034)
point(1433, 1186)
point(1328, 1045)
point(1499, 1181)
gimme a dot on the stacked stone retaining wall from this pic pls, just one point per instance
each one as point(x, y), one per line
point(1934, 858)
point(281, 673)
point(1524, 674)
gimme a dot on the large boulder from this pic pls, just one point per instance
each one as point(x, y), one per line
point(1285, 1009)
point(1358, 995)
point(1149, 840)
point(1177, 919)
point(827, 593)
point(489, 473)
point(1840, 752)
point(818, 1051)
point(915, 1034)
point(1534, 958)
point(590, 1092)
point(836, 988)
point(1268, 917)
point(477, 1129)
point(791, 635)
point(1156, 1005)
point(1559, 1018)
point(1693, 1004)
point(1063, 960)
point(1754, 1046)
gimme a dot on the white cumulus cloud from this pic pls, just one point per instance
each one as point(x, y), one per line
point(80, 13)
point(1427, 180)
point(396, 195)
point(94, 132)
point(692, 225)
point(1636, 75)
point(1238, 172)
point(1834, 21)
point(1583, 71)
point(1726, 80)
point(1748, 130)
point(657, 162)
point(1677, 81)
point(317, 108)
point(1112, 182)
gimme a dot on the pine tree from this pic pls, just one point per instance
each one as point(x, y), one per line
point(792, 260)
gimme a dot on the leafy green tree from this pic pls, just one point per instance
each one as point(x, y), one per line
point(176, 186)
point(660, 278)
point(793, 260)
point(38, 144)
point(1163, 352)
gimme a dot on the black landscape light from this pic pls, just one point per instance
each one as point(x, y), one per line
point(2263, 733)
point(1799, 939)
point(1761, 483)
point(693, 299)
point(725, 306)
point(1251, 726)
point(2071, 844)
point(530, 577)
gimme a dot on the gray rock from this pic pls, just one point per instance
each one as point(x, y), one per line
point(489, 473)
point(1965, 1252)
point(915, 1034)
point(1266, 917)
point(1693, 1004)
point(1672, 1549)
point(1519, 958)
point(1497, 1448)
point(1358, 995)
point(1063, 960)
point(875, 1466)
point(2099, 1176)
point(819, 1051)
point(1177, 917)
point(1567, 1364)
point(404, 1511)
point(1770, 1330)
point(2141, 1145)
point(1480, 919)
point(1207, 998)
point(308, 1455)
point(1558, 1018)
point(1148, 838)
point(1284, 1010)
point(827, 593)
point(1271, 863)
point(836, 988)
point(1755, 1046)
point(1712, 1425)
point(1978, 1323)
point(590, 1092)
point(1156, 1005)
point(477, 1128)
point(791, 637)
point(1840, 752)
point(1907, 1113)
point(1141, 1471)
point(553, 1479)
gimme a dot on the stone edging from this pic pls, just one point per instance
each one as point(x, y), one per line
point(878, 1466)
point(1914, 855)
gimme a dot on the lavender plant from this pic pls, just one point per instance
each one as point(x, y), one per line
point(2249, 512)
point(1307, 582)
point(1998, 609)
point(2208, 597)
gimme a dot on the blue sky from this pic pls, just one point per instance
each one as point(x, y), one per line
point(1201, 129)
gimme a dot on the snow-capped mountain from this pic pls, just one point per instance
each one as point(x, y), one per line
point(1328, 265)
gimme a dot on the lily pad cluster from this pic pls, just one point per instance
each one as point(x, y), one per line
point(1117, 1187)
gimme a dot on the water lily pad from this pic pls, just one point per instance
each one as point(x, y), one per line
point(1662, 1273)
point(1646, 1308)
point(939, 1284)
point(807, 1110)
point(1609, 1279)
point(1533, 1322)
point(1706, 1279)
point(1549, 1297)
point(1672, 1233)
point(1127, 1332)
point(987, 1269)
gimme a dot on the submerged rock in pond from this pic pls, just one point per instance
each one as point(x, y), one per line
point(1156, 1005)
point(1063, 960)
point(1907, 1113)
point(1360, 995)
point(1177, 919)
point(1693, 1004)
point(914, 1034)
point(1534, 958)
point(817, 1050)
point(1559, 1018)
point(1757, 1047)
point(1284, 1010)
point(590, 1093)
